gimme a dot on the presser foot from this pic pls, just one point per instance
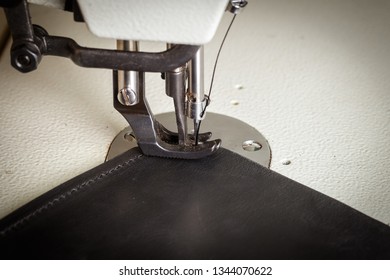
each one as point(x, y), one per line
point(166, 144)
point(155, 140)
point(167, 150)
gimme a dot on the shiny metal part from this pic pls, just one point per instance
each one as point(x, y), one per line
point(236, 6)
point(234, 132)
point(195, 109)
point(195, 76)
point(152, 137)
point(175, 87)
point(251, 145)
point(197, 101)
point(128, 97)
point(128, 81)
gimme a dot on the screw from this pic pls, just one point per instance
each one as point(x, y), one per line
point(23, 61)
point(128, 97)
point(251, 146)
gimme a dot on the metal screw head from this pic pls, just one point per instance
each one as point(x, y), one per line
point(251, 146)
point(25, 57)
point(128, 97)
point(236, 6)
point(23, 61)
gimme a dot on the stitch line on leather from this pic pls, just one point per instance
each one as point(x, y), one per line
point(66, 195)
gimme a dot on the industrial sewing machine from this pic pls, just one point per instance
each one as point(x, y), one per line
point(181, 65)
point(132, 207)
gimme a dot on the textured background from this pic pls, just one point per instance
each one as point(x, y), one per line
point(314, 78)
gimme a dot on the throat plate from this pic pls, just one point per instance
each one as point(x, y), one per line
point(236, 136)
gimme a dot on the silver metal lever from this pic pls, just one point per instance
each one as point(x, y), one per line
point(128, 81)
point(196, 99)
point(175, 88)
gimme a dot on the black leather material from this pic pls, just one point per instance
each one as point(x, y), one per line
point(221, 207)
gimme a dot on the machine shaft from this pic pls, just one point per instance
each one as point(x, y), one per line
point(128, 81)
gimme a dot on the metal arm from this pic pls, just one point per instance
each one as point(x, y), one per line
point(119, 60)
point(31, 42)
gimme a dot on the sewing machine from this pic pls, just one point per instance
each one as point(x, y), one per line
point(182, 143)
point(177, 64)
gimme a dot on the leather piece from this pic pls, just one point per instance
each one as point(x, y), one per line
point(220, 207)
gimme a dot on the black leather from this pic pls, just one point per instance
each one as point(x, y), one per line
point(221, 207)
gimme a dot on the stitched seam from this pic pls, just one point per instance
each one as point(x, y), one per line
point(55, 201)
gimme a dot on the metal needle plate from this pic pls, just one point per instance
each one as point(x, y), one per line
point(236, 136)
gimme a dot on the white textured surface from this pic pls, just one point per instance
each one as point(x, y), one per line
point(314, 80)
point(174, 21)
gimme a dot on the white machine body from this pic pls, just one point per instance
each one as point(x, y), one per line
point(174, 21)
